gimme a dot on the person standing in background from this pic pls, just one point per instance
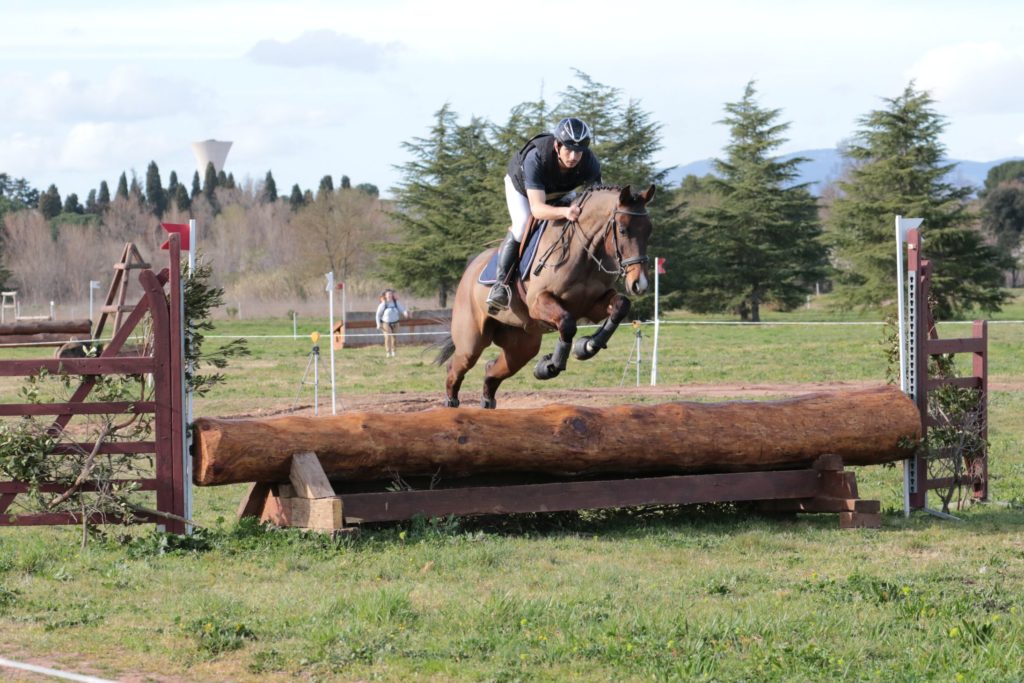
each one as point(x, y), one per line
point(389, 312)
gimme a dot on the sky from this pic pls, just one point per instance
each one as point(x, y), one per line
point(308, 88)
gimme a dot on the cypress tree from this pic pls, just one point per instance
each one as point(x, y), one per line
point(122, 186)
point(134, 189)
point(899, 168)
point(326, 186)
point(181, 198)
point(210, 181)
point(346, 182)
point(155, 195)
point(103, 200)
point(296, 199)
point(222, 179)
point(172, 184)
point(195, 186)
point(49, 203)
point(90, 203)
point(759, 243)
point(269, 188)
point(71, 204)
point(230, 184)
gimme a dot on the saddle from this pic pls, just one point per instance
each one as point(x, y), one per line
point(527, 253)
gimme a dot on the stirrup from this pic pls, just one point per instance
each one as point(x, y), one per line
point(500, 297)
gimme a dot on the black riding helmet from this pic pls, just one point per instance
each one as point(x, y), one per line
point(573, 133)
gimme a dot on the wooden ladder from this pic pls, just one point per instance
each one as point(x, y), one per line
point(131, 259)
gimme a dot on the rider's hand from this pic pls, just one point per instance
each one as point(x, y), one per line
point(572, 212)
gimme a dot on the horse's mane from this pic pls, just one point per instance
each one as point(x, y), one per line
point(587, 191)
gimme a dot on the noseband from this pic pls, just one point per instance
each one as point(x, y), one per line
point(612, 224)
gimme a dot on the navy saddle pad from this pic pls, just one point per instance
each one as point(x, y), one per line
point(487, 275)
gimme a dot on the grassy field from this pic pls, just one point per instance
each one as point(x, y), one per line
point(708, 593)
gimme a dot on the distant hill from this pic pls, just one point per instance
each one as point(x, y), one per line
point(826, 165)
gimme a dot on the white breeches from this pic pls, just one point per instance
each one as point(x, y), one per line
point(518, 209)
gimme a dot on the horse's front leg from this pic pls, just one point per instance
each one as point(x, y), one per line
point(549, 309)
point(616, 308)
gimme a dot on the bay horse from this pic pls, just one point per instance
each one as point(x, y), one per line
point(577, 265)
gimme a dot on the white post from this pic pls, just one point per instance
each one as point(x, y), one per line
point(193, 241)
point(657, 325)
point(52, 309)
point(93, 285)
point(295, 325)
point(330, 298)
point(903, 225)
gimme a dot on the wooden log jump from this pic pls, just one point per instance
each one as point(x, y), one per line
point(40, 332)
point(862, 427)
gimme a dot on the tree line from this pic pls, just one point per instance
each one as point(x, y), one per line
point(746, 238)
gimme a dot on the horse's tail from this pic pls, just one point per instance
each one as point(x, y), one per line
point(446, 352)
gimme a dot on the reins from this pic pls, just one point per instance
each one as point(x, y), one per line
point(570, 228)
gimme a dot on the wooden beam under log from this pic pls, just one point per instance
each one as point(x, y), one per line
point(864, 427)
point(63, 327)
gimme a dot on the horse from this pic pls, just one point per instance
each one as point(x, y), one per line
point(578, 264)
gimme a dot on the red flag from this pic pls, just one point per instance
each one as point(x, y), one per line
point(341, 285)
point(661, 266)
point(181, 229)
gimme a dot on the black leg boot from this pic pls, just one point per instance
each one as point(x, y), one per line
point(508, 253)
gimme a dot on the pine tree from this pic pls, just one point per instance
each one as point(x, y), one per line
point(296, 199)
point(1002, 214)
point(122, 186)
point(269, 188)
point(155, 195)
point(1005, 172)
point(71, 204)
point(49, 202)
point(759, 243)
point(103, 200)
point(195, 186)
point(899, 169)
point(450, 204)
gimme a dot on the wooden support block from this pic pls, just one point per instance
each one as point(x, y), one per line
point(322, 514)
point(254, 501)
point(839, 484)
point(308, 478)
point(830, 462)
point(860, 520)
point(273, 511)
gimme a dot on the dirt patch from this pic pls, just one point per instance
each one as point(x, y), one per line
point(412, 401)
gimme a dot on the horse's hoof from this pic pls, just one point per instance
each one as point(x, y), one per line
point(451, 402)
point(488, 403)
point(545, 368)
point(584, 349)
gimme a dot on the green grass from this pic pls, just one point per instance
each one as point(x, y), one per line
point(664, 594)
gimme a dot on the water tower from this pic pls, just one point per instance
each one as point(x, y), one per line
point(210, 150)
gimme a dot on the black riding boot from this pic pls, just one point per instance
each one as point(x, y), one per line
point(508, 253)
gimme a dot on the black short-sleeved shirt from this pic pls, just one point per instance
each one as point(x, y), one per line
point(535, 167)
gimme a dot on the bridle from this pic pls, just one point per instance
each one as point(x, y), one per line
point(572, 227)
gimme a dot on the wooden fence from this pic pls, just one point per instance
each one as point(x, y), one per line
point(161, 299)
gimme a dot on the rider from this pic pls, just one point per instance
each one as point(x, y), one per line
point(541, 180)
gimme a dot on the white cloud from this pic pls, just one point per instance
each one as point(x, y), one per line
point(324, 47)
point(127, 93)
point(974, 77)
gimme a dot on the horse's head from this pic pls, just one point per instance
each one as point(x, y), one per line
point(630, 232)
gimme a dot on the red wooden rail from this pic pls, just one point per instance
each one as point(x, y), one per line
point(164, 363)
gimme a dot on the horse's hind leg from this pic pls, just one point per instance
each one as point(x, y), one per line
point(458, 366)
point(616, 308)
point(517, 348)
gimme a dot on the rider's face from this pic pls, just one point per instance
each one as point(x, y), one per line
point(568, 158)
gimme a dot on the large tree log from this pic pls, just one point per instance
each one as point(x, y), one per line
point(864, 427)
point(66, 327)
